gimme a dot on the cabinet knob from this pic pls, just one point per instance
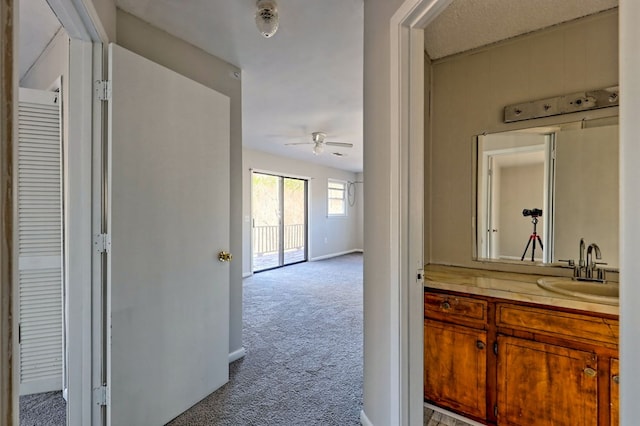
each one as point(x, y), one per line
point(590, 372)
point(445, 305)
point(480, 344)
point(616, 379)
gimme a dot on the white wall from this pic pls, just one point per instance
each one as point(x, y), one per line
point(52, 63)
point(341, 233)
point(377, 197)
point(106, 13)
point(520, 187)
point(198, 65)
point(630, 205)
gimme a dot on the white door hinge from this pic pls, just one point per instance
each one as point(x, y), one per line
point(102, 243)
point(101, 396)
point(103, 90)
point(420, 276)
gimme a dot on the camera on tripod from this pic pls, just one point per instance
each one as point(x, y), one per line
point(534, 237)
point(532, 212)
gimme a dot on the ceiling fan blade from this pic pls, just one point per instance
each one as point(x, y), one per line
point(300, 143)
point(343, 144)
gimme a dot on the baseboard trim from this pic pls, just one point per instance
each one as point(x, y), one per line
point(452, 415)
point(329, 256)
point(364, 420)
point(237, 354)
point(246, 274)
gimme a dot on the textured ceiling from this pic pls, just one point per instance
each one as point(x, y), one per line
point(467, 24)
point(306, 78)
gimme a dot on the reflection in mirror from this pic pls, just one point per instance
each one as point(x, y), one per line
point(540, 190)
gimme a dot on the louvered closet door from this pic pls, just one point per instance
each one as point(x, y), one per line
point(40, 242)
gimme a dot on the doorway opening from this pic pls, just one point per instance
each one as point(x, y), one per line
point(515, 171)
point(43, 70)
point(279, 221)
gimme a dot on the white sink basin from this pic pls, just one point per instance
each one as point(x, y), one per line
point(591, 291)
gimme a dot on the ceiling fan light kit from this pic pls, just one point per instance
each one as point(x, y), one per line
point(267, 19)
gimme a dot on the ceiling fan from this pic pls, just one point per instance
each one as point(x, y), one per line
point(318, 141)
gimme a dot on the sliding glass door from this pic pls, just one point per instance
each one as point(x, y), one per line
point(279, 210)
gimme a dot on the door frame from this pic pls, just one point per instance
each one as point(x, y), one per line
point(8, 139)
point(82, 178)
point(81, 22)
point(407, 42)
point(307, 209)
point(406, 164)
point(487, 182)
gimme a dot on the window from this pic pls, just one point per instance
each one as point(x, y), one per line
point(337, 201)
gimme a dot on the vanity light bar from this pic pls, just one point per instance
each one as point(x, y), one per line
point(566, 104)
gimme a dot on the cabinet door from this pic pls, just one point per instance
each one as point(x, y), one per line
point(545, 385)
point(614, 392)
point(455, 367)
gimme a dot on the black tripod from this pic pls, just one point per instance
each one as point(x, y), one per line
point(533, 237)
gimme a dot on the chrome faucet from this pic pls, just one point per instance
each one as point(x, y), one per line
point(593, 246)
point(591, 264)
point(587, 269)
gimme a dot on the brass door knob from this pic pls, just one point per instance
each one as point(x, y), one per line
point(590, 372)
point(223, 256)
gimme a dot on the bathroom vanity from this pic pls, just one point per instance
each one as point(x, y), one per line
point(534, 194)
point(500, 349)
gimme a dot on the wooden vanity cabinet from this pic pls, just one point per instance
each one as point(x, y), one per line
point(545, 385)
point(455, 353)
point(531, 364)
point(614, 391)
point(455, 374)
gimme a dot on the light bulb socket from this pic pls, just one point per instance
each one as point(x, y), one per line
point(267, 19)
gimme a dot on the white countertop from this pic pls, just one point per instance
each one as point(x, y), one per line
point(505, 285)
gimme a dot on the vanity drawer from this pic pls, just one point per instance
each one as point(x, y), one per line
point(453, 308)
point(558, 324)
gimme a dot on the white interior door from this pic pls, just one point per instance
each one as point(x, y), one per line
point(40, 242)
point(169, 218)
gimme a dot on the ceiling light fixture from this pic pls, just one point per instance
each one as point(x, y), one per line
point(267, 19)
point(318, 149)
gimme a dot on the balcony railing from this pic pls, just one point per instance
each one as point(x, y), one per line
point(265, 238)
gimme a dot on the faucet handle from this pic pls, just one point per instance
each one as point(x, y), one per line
point(571, 262)
point(602, 274)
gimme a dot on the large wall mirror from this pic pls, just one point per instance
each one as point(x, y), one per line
point(540, 190)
